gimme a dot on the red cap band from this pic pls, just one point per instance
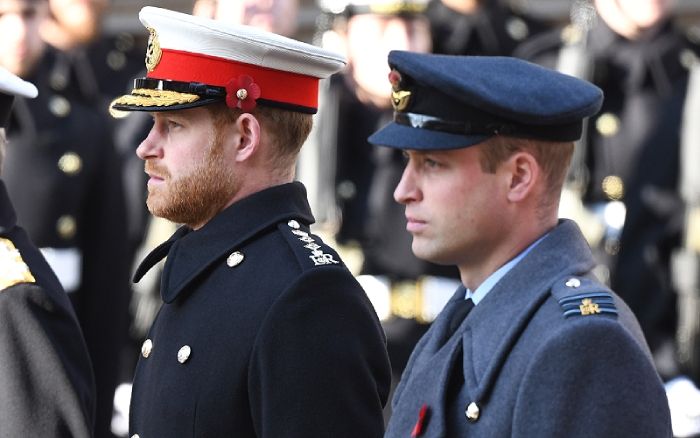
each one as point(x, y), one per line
point(275, 85)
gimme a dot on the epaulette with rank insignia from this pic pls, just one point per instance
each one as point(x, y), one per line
point(583, 297)
point(13, 269)
point(308, 250)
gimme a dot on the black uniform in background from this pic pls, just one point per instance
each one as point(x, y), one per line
point(631, 154)
point(354, 164)
point(365, 178)
point(100, 71)
point(95, 74)
point(494, 30)
point(45, 373)
point(65, 179)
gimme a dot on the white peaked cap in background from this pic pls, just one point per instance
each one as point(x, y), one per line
point(11, 86)
point(15, 86)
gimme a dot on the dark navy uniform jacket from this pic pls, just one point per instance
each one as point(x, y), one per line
point(494, 29)
point(263, 332)
point(549, 352)
point(45, 372)
point(64, 178)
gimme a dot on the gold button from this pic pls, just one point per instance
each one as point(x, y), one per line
point(517, 28)
point(608, 124)
point(472, 412)
point(59, 106)
point(146, 348)
point(66, 227)
point(573, 282)
point(293, 224)
point(70, 163)
point(116, 60)
point(184, 354)
point(58, 81)
point(235, 259)
point(612, 246)
point(687, 58)
point(613, 187)
point(571, 35)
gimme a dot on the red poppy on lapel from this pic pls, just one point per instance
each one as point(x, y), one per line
point(421, 423)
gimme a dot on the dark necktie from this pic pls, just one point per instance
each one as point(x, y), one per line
point(463, 307)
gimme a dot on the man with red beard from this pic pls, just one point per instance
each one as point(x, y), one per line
point(263, 332)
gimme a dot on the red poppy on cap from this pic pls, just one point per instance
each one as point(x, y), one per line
point(242, 92)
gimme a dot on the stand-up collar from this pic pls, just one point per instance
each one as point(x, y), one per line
point(190, 252)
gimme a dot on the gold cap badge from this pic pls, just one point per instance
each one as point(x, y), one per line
point(153, 52)
point(399, 98)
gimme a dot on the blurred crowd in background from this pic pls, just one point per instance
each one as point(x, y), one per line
point(634, 185)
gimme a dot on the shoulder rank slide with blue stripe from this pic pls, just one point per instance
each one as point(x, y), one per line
point(588, 304)
point(583, 297)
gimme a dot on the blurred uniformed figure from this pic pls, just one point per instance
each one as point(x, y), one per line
point(45, 373)
point(278, 16)
point(683, 392)
point(480, 27)
point(623, 186)
point(531, 344)
point(263, 331)
point(95, 65)
point(406, 292)
point(63, 176)
point(354, 104)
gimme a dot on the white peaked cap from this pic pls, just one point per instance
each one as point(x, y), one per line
point(245, 44)
point(194, 61)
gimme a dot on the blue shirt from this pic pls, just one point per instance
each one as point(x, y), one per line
point(494, 278)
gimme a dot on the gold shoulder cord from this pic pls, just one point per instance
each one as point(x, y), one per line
point(13, 269)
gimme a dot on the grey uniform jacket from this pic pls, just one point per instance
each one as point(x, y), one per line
point(549, 352)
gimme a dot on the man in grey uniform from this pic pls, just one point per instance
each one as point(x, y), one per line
point(532, 344)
